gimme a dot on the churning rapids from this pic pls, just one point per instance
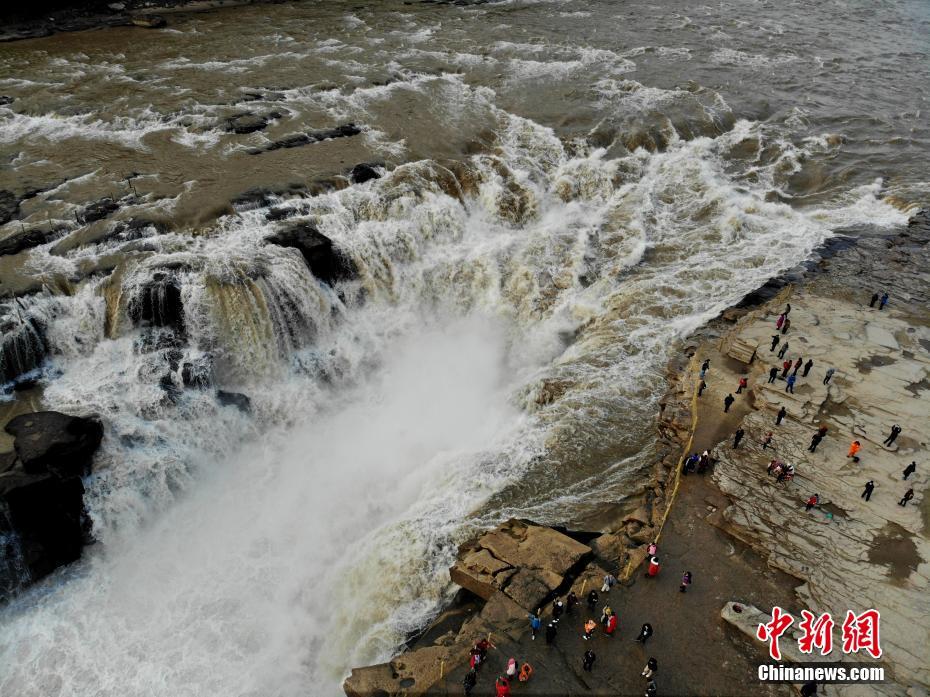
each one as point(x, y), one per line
point(568, 188)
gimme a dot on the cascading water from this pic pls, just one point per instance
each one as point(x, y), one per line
point(499, 353)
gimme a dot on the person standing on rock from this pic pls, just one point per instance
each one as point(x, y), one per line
point(535, 624)
point(780, 321)
point(790, 386)
point(767, 442)
point(644, 633)
point(609, 581)
point(727, 401)
point(653, 570)
point(701, 388)
point(653, 547)
point(908, 495)
point(685, 581)
point(587, 662)
point(703, 463)
point(592, 600)
point(502, 685)
point(815, 441)
point(785, 326)
point(705, 366)
point(783, 350)
point(570, 602)
point(526, 672)
point(511, 668)
point(652, 689)
point(797, 365)
point(742, 384)
point(469, 681)
point(883, 301)
point(812, 501)
point(785, 367)
point(781, 416)
point(611, 625)
point(550, 633)
point(605, 614)
point(807, 367)
point(738, 436)
point(892, 437)
point(773, 375)
point(775, 339)
point(854, 449)
point(652, 665)
point(869, 487)
point(787, 309)
point(589, 628)
point(874, 300)
point(826, 379)
point(557, 608)
point(910, 469)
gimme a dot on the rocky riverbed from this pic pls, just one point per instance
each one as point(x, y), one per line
point(749, 542)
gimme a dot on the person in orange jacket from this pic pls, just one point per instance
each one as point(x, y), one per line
point(589, 629)
point(854, 450)
point(526, 672)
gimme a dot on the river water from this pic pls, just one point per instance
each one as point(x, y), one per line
point(569, 188)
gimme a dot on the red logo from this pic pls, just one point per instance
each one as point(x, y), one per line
point(860, 632)
point(818, 633)
point(771, 631)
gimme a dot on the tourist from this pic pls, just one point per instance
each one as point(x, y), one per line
point(874, 300)
point(550, 633)
point(701, 388)
point(910, 469)
point(589, 628)
point(570, 602)
point(652, 665)
point(883, 302)
point(592, 600)
point(815, 441)
point(738, 436)
point(812, 501)
point(787, 310)
point(854, 448)
point(588, 661)
point(502, 685)
point(807, 367)
point(780, 321)
point(768, 441)
point(653, 546)
point(822, 430)
point(483, 647)
point(705, 366)
point(605, 614)
point(773, 466)
point(685, 581)
point(742, 383)
point(526, 672)
point(653, 569)
point(557, 608)
point(727, 401)
point(785, 367)
point(826, 378)
point(511, 668)
point(609, 581)
point(773, 375)
point(651, 689)
point(790, 386)
point(908, 495)
point(475, 659)
point(644, 633)
point(535, 623)
point(691, 463)
point(785, 326)
point(895, 430)
point(469, 682)
point(781, 415)
point(797, 365)
point(775, 340)
point(704, 462)
point(783, 350)
point(611, 625)
point(869, 487)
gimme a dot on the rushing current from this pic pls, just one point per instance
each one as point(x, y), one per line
point(568, 189)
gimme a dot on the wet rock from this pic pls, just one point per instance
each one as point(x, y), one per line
point(5, 100)
point(7, 461)
point(149, 21)
point(28, 238)
point(49, 441)
point(99, 210)
point(325, 261)
point(9, 206)
point(197, 373)
point(364, 172)
point(235, 399)
point(263, 197)
point(246, 123)
point(158, 304)
point(296, 140)
point(23, 345)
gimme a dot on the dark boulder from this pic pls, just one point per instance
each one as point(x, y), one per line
point(246, 123)
point(5, 100)
point(325, 261)
point(28, 238)
point(235, 399)
point(49, 441)
point(298, 139)
point(158, 303)
point(9, 206)
point(7, 460)
point(262, 197)
point(99, 210)
point(363, 172)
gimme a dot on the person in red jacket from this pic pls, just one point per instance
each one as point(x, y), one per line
point(611, 625)
point(503, 687)
point(812, 501)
